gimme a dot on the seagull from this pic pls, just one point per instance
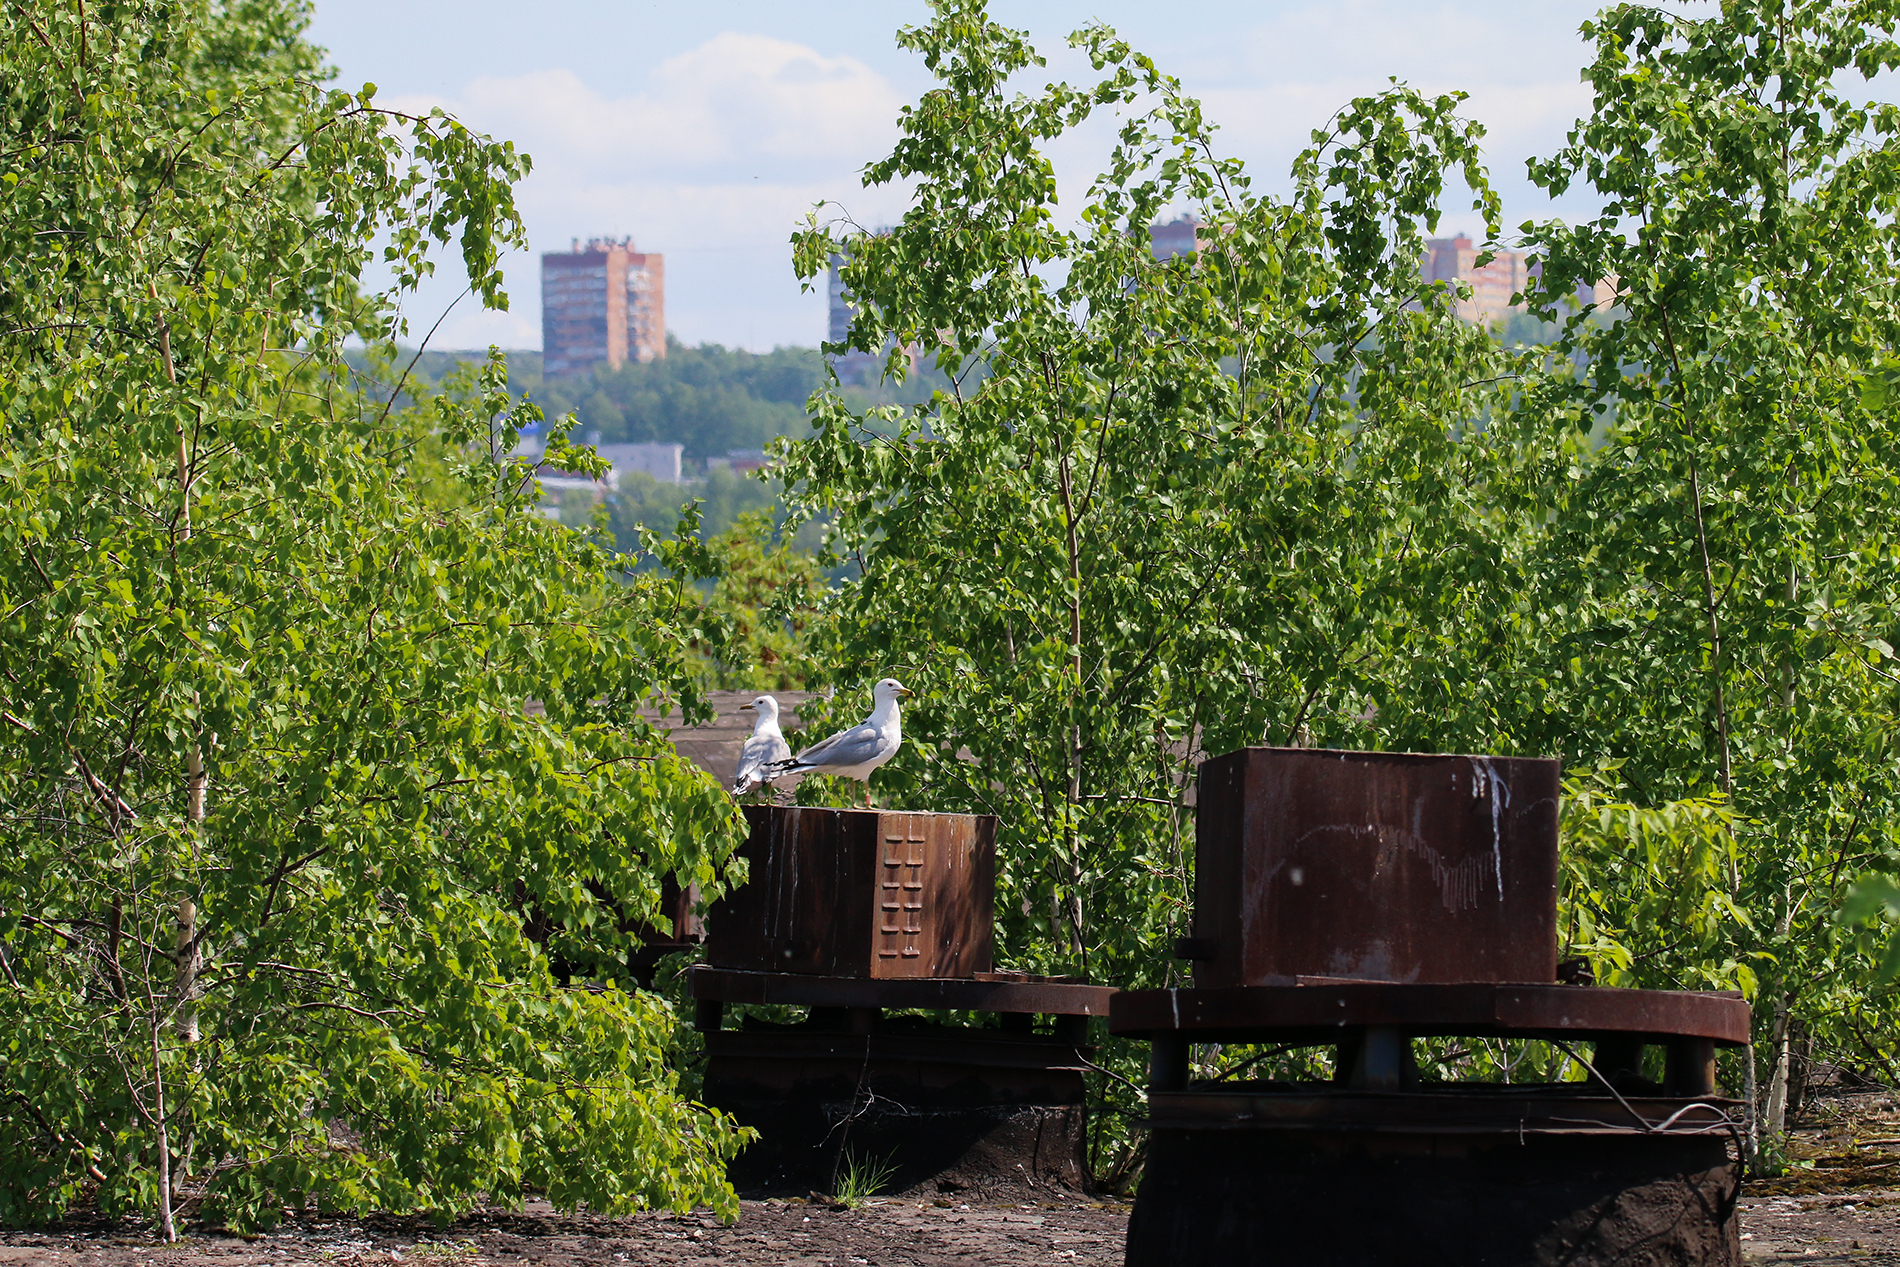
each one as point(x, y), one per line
point(855, 752)
point(764, 749)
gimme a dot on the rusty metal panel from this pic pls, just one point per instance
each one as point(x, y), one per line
point(936, 904)
point(1375, 866)
point(1565, 1108)
point(970, 994)
point(1317, 1012)
point(859, 893)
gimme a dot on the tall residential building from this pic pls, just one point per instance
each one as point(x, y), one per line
point(1179, 236)
point(601, 302)
point(1452, 260)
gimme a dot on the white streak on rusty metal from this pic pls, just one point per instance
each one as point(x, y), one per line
point(1500, 798)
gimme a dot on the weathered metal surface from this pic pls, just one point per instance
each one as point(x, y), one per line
point(1318, 1013)
point(1034, 997)
point(860, 893)
point(1374, 865)
point(1571, 1108)
point(1278, 1197)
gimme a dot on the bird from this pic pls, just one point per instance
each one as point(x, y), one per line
point(765, 747)
point(860, 749)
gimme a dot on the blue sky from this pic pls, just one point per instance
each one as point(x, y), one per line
point(707, 130)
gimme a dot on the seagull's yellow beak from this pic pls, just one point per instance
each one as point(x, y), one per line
point(902, 691)
point(747, 708)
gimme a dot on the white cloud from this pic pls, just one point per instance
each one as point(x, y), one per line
point(1270, 85)
point(769, 106)
point(711, 163)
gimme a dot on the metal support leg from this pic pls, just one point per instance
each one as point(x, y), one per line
point(1168, 1063)
point(1619, 1060)
point(1383, 1061)
point(1073, 1030)
point(1691, 1067)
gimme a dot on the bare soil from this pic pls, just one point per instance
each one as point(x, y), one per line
point(895, 1232)
point(1838, 1203)
point(1860, 1227)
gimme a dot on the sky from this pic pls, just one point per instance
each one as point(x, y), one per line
point(708, 130)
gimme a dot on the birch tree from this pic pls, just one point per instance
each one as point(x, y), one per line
point(289, 741)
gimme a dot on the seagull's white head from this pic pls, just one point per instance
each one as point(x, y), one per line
point(765, 706)
point(889, 691)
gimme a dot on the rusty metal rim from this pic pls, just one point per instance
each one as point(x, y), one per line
point(1496, 1111)
point(731, 985)
point(1316, 1013)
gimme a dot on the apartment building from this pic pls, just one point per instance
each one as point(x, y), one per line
point(601, 303)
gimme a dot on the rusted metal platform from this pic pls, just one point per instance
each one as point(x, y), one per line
point(1313, 1014)
point(1365, 900)
point(988, 993)
point(1568, 1108)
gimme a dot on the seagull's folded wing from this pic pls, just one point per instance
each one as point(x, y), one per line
point(846, 748)
point(753, 755)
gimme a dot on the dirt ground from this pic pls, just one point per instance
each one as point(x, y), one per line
point(1838, 1203)
point(898, 1233)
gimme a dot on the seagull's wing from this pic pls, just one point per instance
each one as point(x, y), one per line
point(753, 756)
point(758, 752)
point(850, 747)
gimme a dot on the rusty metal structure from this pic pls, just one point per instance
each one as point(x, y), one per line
point(1374, 866)
point(848, 893)
point(862, 919)
point(1362, 901)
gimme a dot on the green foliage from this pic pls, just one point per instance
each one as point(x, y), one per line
point(1630, 872)
point(724, 497)
point(863, 1178)
point(1164, 509)
point(1103, 563)
point(302, 706)
point(1273, 489)
point(708, 398)
point(1714, 599)
point(756, 621)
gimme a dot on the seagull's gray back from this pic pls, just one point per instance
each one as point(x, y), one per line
point(847, 748)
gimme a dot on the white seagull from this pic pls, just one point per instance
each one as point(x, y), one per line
point(764, 749)
point(855, 752)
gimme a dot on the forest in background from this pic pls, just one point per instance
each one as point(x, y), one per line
point(711, 400)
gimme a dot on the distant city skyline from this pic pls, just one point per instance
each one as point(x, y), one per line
point(711, 136)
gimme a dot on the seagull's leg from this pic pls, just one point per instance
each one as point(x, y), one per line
point(867, 794)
